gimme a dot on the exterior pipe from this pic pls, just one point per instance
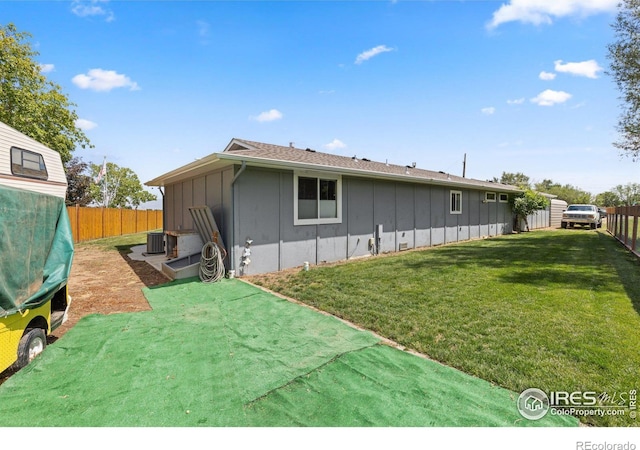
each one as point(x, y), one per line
point(242, 169)
point(232, 253)
point(164, 210)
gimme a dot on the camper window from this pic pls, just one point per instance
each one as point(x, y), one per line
point(25, 163)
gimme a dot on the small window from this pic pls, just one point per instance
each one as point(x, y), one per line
point(504, 198)
point(456, 202)
point(25, 163)
point(489, 196)
point(317, 199)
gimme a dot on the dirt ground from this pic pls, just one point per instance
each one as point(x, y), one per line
point(104, 282)
point(107, 282)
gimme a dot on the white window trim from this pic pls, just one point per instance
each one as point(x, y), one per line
point(451, 211)
point(318, 221)
point(487, 199)
point(506, 198)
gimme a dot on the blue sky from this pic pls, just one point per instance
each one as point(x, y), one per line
point(517, 85)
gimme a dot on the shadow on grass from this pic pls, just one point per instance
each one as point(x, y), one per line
point(627, 267)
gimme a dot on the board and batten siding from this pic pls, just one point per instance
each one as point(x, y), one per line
point(260, 206)
point(212, 190)
point(412, 215)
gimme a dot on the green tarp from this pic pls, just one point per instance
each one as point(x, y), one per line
point(228, 354)
point(36, 248)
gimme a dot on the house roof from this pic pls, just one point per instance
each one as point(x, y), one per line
point(276, 156)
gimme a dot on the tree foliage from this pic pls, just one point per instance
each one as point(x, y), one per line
point(621, 195)
point(629, 193)
point(566, 192)
point(624, 56)
point(607, 199)
point(32, 104)
point(514, 179)
point(123, 188)
point(526, 204)
point(79, 183)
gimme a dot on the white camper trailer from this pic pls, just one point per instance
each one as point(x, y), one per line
point(36, 249)
point(27, 164)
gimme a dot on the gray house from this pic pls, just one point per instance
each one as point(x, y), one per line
point(289, 206)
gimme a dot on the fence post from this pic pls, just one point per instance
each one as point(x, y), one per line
point(77, 233)
point(634, 233)
point(626, 225)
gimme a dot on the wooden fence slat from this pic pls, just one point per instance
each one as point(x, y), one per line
point(623, 223)
point(95, 223)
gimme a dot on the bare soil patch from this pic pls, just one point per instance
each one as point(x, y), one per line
point(107, 282)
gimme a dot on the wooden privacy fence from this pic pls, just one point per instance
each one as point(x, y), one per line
point(97, 223)
point(622, 223)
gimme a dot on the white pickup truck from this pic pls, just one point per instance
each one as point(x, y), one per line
point(581, 215)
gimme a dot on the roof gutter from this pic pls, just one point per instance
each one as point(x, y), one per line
point(360, 172)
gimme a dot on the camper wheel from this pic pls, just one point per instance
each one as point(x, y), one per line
point(31, 345)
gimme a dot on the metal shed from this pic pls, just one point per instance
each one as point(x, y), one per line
point(557, 208)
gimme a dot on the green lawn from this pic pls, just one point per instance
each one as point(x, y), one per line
point(119, 243)
point(557, 310)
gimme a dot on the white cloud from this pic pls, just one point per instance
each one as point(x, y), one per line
point(104, 80)
point(336, 144)
point(550, 97)
point(546, 76)
point(488, 111)
point(85, 124)
point(203, 28)
point(587, 69)
point(268, 116)
point(538, 12)
point(46, 68)
point(517, 101)
point(84, 8)
point(368, 54)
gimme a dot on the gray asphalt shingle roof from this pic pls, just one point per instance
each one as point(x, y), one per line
point(288, 157)
point(275, 153)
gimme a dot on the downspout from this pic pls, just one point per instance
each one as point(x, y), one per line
point(164, 209)
point(232, 255)
point(242, 169)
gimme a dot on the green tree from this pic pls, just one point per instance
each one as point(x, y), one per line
point(624, 56)
point(32, 104)
point(119, 188)
point(546, 186)
point(629, 193)
point(514, 179)
point(607, 199)
point(79, 183)
point(567, 192)
point(526, 204)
